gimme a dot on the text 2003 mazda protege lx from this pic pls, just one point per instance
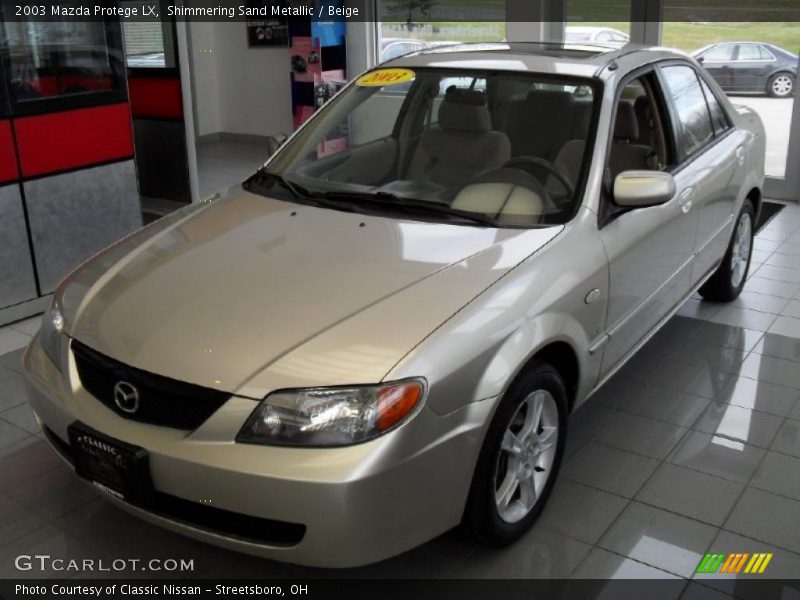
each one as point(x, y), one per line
point(381, 333)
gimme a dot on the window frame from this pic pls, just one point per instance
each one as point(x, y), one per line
point(608, 210)
point(119, 93)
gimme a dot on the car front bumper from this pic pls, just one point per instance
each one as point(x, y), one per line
point(355, 505)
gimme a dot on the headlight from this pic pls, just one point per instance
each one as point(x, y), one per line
point(51, 333)
point(331, 416)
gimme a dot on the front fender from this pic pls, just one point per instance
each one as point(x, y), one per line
point(478, 352)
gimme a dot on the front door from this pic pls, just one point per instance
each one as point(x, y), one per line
point(650, 250)
point(718, 61)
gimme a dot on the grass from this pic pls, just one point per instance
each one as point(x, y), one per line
point(690, 36)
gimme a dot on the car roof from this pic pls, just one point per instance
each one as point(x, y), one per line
point(575, 59)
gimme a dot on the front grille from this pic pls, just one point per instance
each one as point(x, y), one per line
point(209, 518)
point(162, 401)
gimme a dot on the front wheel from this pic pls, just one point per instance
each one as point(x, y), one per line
point(520, 457)
point(781, 85)
point(728, 280)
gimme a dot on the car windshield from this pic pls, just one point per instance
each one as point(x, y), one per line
point(472, 147)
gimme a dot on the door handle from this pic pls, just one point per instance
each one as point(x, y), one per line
point(740, 155)
point(686, 199)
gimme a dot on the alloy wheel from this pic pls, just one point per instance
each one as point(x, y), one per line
point(740, 253)
point(527, 453)
point(782, 85)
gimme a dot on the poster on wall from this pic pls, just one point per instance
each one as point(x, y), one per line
point(267, 32)
point(326, 85)
point(305, 56)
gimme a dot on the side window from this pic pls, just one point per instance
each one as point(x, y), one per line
point(749, 52)
point(765, 54)
point(718, 117)
point(694, 121)
point(638, 140)
point(721, 53)
point(604, 36)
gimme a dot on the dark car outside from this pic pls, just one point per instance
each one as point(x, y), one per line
point(750, 67)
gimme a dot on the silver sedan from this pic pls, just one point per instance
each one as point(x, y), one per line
point(381, 333)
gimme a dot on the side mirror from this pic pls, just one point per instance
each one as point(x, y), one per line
point(700, 59)
point(637, 189)
point(274, 142)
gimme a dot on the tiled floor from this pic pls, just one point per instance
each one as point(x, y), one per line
point(693, 447)
point(222, 164)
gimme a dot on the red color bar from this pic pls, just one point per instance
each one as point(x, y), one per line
point(155, 97)
point(70, 139)
point(8, 158)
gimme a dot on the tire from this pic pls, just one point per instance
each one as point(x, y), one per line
point(781, 85)
point(536, 465)
point(728, 280)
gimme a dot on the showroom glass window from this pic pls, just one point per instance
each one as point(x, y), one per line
point(404, 28)
point(592, 22)
point(53, 65)
point(694, 120)
point(149, 44)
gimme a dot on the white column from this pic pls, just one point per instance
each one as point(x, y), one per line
point(182, 34)
point(646, 21)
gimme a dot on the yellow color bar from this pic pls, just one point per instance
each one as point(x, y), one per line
point(767, 558)
point(758, 563)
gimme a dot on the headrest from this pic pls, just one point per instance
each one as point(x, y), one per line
point(626, 126)
point(549, 101)
point(464, 110)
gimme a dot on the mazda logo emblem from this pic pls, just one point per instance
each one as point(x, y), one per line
point(126, 397)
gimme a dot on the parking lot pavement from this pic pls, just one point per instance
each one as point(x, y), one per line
point(776, 113)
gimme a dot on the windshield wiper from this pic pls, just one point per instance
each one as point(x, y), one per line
point(296, 190)
point(403, 203)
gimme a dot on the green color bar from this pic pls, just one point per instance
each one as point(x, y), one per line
point(710, 563)
point(717, 563)
point(701, 568)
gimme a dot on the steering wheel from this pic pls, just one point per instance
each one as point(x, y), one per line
point(529, 163)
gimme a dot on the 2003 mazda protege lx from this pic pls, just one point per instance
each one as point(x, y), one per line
point(381, 333)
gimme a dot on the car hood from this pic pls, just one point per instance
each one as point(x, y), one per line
point(219, 296)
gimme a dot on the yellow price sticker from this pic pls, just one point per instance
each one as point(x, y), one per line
point(383, 77)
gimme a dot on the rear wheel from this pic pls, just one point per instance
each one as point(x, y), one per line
point(728, 280)
point(781, 85)
point(520, 457)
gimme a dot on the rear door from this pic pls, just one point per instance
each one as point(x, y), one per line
point(709, 155)
point(752, 67)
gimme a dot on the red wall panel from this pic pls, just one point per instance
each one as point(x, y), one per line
point(8, 158)
point(155, 97)
point(75, 138)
